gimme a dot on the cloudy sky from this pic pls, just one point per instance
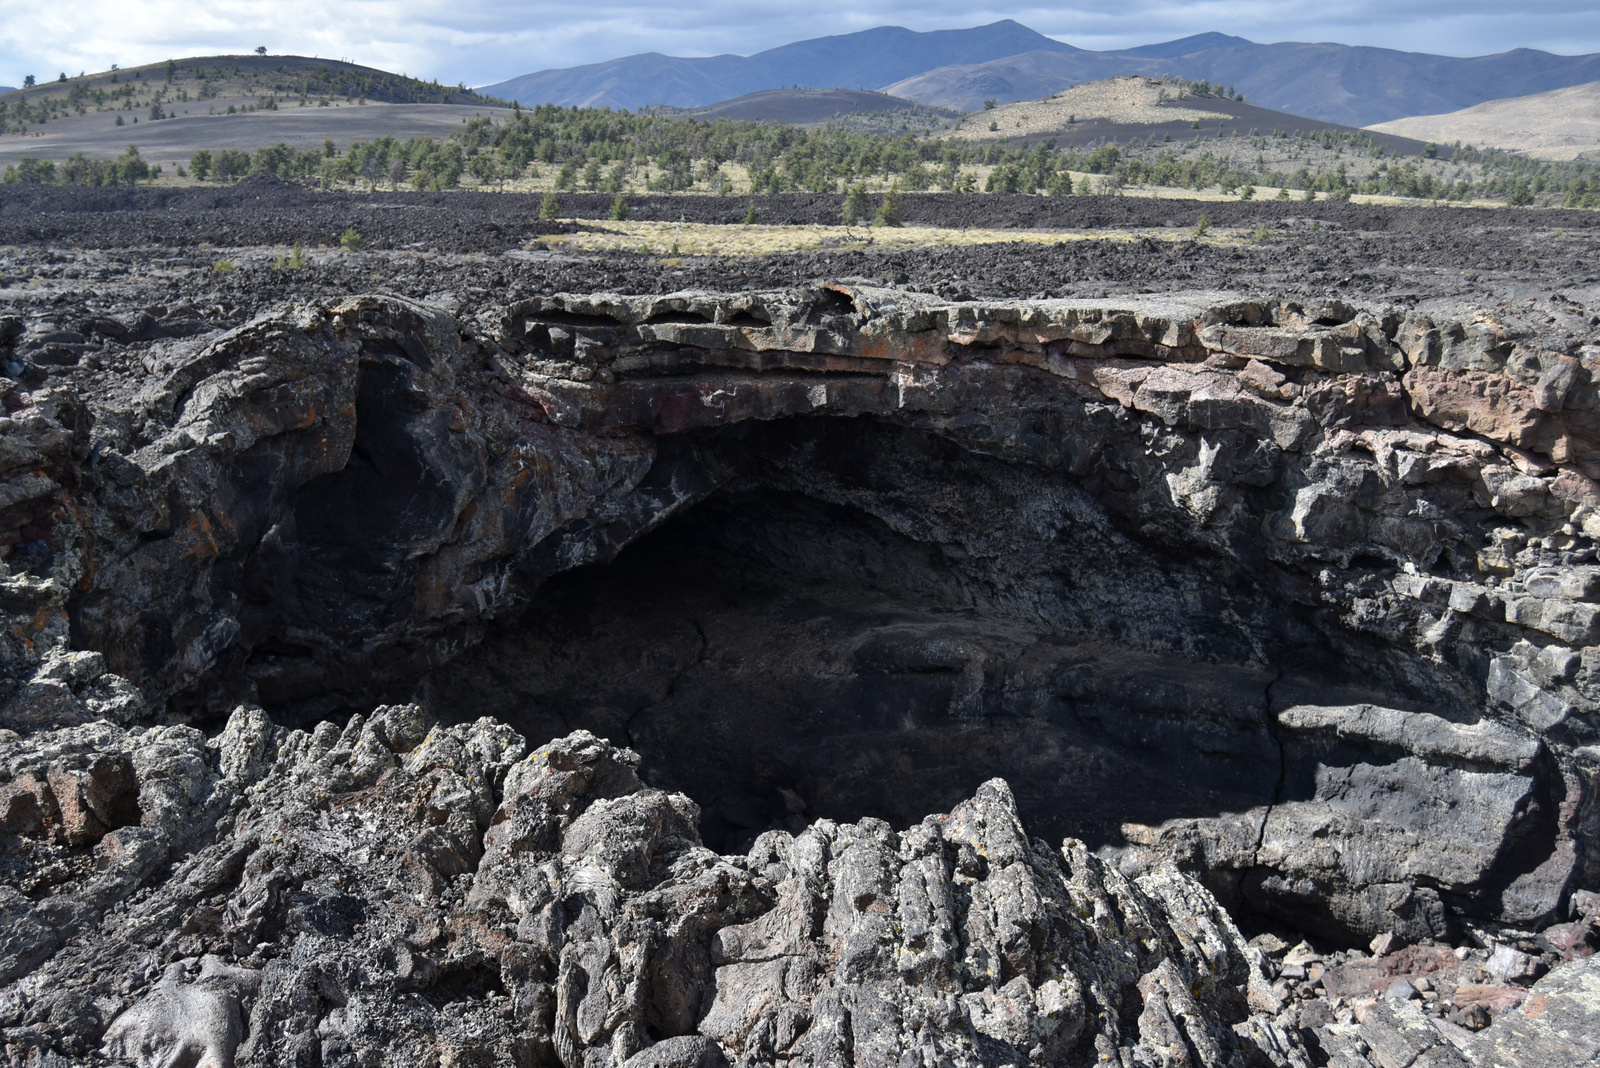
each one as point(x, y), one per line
point(484, 41)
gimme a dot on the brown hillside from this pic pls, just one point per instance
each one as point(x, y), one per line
point(1560, 124)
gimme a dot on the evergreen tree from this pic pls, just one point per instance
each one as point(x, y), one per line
point(891, 212)
point(856, 205)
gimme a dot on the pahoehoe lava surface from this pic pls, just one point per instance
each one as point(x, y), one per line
point(442, 656)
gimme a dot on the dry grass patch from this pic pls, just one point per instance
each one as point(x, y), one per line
point(1561, 124)
point(1132, 100)
point(718, 239)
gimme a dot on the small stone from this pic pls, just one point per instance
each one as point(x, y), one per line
point(1302, 955)
point(1493, 997)
point(1272, 945)
point(1401, 990)
point(1385, 944)
point(1315, 1014)
point(25, 806)
point(1514, 966)
point(1570, 941)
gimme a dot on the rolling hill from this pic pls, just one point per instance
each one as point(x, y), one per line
point(217, 102)
point(1560, 124)
point(1007, 62)
point(1137, 108)
point(201, 78)
point(864, 60)
point(816, 107)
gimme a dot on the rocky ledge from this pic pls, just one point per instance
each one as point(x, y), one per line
point(1321, 580)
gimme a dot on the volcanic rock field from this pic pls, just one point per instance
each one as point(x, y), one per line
point(1135, 650)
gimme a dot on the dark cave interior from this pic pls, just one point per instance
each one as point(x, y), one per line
point(871, 620)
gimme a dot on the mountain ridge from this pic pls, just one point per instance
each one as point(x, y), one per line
point(1347, 84)
point(867, 59)
point(1006, 61)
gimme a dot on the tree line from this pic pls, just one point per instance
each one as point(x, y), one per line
point(600, 150)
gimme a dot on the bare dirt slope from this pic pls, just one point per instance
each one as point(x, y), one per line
point(1560, 124)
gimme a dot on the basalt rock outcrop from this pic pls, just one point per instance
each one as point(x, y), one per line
point(395, 894)
point(1291, 605)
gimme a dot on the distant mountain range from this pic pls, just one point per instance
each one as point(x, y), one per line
point(866, 60)
point(1007, 62)
point(1355, 86)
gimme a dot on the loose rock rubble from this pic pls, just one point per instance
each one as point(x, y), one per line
point(391, 894)
point(387, 892)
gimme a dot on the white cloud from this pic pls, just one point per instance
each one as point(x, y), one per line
point(481, 41)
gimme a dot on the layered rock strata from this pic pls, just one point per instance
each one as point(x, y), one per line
point(1327, 573)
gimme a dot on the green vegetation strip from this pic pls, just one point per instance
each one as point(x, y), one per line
point(596, 149)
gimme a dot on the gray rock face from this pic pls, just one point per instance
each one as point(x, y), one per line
point(1301, 602)
point(448, 896)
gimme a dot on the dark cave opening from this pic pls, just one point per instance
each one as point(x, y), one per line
point(871, 621)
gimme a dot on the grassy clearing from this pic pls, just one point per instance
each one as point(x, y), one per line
point(1133, 100)
point(718, 239)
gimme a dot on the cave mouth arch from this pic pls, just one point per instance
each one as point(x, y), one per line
point(870, 620)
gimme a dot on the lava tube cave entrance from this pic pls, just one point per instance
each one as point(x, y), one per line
point(872, 620)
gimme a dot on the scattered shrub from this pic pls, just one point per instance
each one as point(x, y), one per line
point(856, 206)
point(891, 212)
